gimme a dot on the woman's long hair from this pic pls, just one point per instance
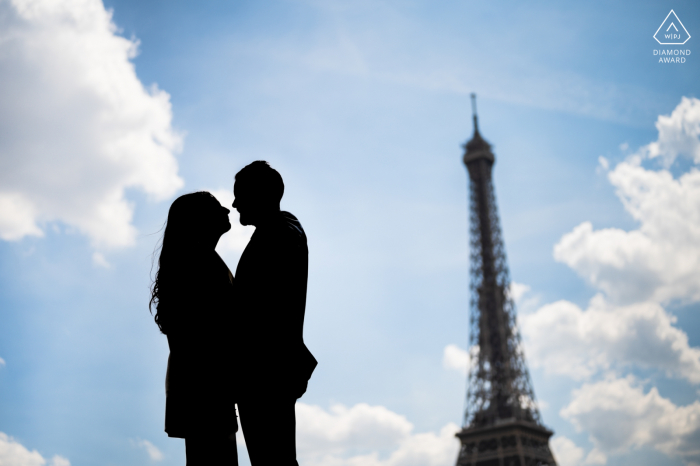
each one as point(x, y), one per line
point(183, 230)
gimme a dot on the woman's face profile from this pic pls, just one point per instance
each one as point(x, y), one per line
point(217, 217)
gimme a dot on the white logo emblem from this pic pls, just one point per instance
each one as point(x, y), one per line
point(671, 31)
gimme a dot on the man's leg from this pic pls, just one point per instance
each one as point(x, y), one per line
point(269, 429)
point(211, 450)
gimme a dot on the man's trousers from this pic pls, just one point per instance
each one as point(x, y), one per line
point(269, 429)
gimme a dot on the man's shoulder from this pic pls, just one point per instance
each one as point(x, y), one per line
point(285, 234)
point(291, 228)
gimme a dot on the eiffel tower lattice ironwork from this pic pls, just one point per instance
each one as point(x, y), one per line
point(502, 424)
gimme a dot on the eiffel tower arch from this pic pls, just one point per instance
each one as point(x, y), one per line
point(502, 424)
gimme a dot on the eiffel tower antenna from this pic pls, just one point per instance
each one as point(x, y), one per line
point(476, 119)
point(502, 424)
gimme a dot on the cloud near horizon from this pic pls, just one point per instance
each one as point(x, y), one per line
point(78, 127)
point(365, 435)
point(13, 453)
point(618, 415)
point(567, 453)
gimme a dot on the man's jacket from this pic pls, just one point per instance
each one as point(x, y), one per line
point(271, 283)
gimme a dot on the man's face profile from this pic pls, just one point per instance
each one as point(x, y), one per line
point(244, 203)
point(255, 196)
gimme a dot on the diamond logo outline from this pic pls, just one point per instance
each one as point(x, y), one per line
point(664, 22)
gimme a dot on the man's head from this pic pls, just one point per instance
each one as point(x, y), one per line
point(258, 190)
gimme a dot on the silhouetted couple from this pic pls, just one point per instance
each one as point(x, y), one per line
point(234, 340)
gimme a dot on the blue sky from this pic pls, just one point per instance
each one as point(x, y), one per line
point(362, 107)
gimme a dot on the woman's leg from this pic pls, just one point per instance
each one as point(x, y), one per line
point(211, 450)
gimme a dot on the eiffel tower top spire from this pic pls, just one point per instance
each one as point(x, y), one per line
point(477, 147)
point(476, 119)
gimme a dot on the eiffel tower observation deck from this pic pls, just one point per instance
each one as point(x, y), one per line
point(502, 424)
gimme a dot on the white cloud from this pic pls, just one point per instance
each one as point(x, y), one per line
point(340, 428)
point(566, 452)
point(596, 456)
point(660, 260)
point(153, 452)
point(17, 217)
point(427, 449)
point(455, 358)
point(566, 340)
point(59, 461)
point(523, 298)
point(13, 453)
point(618, 415)
point(78, 127)
point(518, 290)
point(366, 435)
point(637, 270)
point(2, 362)
point(679, 133)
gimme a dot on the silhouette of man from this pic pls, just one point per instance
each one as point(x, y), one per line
point(271, 279)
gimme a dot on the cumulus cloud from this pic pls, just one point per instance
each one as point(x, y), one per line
point(523, 297)
point(518, 290)
point(564, 339)
point(59, 461)
point(679, 133)
point(365, 435)
point(660, 260)
point(340, 428)
point(618, 415)
point(2, 362)
point(455, 358)
point(596, 456)
point(625, 326)
point(13, 453)
point(77, 127)
point(567, 453)
point(153, 452)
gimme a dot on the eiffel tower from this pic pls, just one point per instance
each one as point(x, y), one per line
point(502, 424)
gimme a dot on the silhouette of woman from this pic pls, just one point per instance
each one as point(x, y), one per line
point(193, 294)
